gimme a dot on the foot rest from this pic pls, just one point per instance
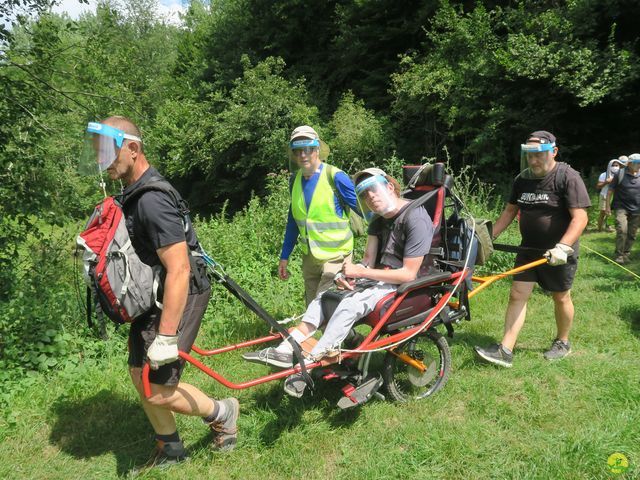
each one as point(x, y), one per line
point(354, 396)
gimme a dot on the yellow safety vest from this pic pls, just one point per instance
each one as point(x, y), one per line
point(322, 231)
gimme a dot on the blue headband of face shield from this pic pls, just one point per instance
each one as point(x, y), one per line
point(542, 147)
point(370, 182)
point(109, 131)
point(295, 144)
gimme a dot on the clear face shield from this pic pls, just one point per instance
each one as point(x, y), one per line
point(535, 159)
point(306, 154)
point(376, 197)
point(101, 148)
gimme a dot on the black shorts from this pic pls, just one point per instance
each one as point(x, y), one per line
point(143, 332)
point(552, 279)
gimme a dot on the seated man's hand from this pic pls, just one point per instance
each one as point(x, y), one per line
point(354, 271)
point(558, 255)
point(342, 282)
point(163, 350)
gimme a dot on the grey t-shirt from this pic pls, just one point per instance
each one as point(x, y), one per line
point(412, 240)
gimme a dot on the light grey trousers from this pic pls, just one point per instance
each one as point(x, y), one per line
point(348, 311)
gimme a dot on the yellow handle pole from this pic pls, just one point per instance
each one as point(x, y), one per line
point(417, 364)
point(486, 281)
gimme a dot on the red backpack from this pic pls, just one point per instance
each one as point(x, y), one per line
point(124, 286)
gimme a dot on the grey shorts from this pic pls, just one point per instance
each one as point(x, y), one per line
point(143, 332)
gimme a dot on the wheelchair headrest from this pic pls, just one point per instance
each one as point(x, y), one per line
point(426, 175)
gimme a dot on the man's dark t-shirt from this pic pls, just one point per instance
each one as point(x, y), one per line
point(626, 194)
point(544, 206)
point(154, 221)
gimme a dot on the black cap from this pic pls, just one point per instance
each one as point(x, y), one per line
point(543, 135)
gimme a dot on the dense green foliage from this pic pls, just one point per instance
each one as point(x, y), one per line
point(384, 82)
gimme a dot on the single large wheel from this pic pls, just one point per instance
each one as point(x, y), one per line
point(404, 381)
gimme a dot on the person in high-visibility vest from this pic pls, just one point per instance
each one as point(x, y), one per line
point(317, 220)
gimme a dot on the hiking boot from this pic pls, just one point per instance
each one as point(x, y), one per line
point(225, 429)
point(620, 259)
point(294, 385)
point(165, 455)
point(558, 350)
point(495, 354)
point(270, 356)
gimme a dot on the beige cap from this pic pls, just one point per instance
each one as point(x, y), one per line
point(368, 171)
point(305, 131)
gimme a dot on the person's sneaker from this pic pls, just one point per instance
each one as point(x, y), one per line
point(495, 354)
point(295, 385)
point(225, 429)
point(609, 229)
point(270, 356)
point(165, 455)
point(626, 257)
point(558, 350)
point(620, 259)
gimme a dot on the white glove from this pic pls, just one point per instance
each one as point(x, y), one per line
point(558, 254)
point(163, 350)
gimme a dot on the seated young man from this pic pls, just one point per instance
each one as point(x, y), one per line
point(392, 256)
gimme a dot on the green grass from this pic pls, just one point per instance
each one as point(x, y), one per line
point(538, 420)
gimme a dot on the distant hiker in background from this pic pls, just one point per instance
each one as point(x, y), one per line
point(625, 190)
point(604, 180)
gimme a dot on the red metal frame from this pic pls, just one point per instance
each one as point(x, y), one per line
point(367, 344)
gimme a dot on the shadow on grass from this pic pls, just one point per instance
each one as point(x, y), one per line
point(471, 339)
point(103, 423)
point(289, 411)
point(632, 315)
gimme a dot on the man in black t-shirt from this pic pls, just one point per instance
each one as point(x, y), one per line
point(163, 237)
point(552, 200)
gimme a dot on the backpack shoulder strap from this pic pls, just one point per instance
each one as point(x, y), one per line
point(561, 177)
point(158, 184)
point(621, 175)
point(331, 176)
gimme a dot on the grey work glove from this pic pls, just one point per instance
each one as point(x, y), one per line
point(163, 350)
point(558, 255)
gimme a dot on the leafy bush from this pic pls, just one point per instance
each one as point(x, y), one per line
point(236, 138)
point(39, 322)
point(359, 137)
point(248, 247)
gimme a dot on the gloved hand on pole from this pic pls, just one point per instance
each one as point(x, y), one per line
point(163, 350)
point(558, 255)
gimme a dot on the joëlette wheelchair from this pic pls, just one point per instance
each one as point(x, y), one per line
point(404, 325)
